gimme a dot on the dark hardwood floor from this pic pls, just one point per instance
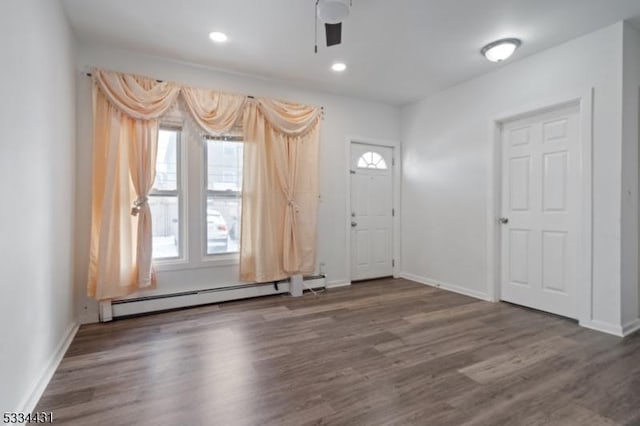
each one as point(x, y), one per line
point(382, 352)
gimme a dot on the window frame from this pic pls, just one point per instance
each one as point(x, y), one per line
point(180, 194)
point(233, 256)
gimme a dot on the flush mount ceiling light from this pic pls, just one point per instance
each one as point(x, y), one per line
point(500, 50)
point(338, 67)
point(218, 37)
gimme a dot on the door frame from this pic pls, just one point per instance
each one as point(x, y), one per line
point(584, 283)
point(395, 176)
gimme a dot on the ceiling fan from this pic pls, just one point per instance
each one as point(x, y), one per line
point(331, 13)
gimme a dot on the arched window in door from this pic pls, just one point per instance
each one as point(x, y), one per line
point(372, 160)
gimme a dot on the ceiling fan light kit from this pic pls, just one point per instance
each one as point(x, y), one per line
point(333, 11)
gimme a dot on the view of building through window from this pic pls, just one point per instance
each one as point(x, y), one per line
point(224, 195)
point(223, 191)
point(164, 199)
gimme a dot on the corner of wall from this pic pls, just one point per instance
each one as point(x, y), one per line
point(446, 286)
point(37, 388)
point(38, 317)
point(630, 188)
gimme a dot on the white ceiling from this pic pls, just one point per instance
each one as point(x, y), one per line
point(396, 50)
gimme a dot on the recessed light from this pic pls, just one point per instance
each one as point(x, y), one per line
point(500, 50)
point(218, 37)
point(338, 67)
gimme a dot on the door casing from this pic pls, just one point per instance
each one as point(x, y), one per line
point(584, 283)
point(397, 168)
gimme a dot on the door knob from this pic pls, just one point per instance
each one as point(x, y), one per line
point(354, 224)
point(504, 220)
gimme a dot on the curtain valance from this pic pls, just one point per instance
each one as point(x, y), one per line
point(280, 193)
point(289, 118)
point(137, 97)
point(216, 112)
point(213, 111)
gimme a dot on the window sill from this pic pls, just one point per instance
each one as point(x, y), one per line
point(170, 264)
point(228, 259)
point(209, 261)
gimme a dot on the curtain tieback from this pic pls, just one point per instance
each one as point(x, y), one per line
point(291, 203)
point(137, 205)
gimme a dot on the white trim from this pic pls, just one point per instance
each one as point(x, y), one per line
point(584, 101)
point(205, 262)
point(494, 195)
point(30, 400)
point(585, 272)
point(336, 284)
point(397, 176)
point(600, 326)
point(295, 286)
point(603, 327)
point(175, 263)
point(105, 311)
point(446, 286)
point(631, 327)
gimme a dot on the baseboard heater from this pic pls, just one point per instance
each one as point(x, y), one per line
point(141, 305)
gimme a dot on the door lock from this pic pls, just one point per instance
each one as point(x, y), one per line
point(504, 220)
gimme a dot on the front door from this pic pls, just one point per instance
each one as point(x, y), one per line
point(371, 211)
point(540, 214)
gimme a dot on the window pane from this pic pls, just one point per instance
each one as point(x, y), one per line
point(223, 223)
point(166, 226)
point(372, 160)
point(167, 161)
point(224, 165)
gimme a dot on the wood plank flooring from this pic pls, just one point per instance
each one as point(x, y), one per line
point(377, 353)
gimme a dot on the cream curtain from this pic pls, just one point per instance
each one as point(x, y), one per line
point(280, 190)
point(280, 193)
point(215, 112)
point(126, 111)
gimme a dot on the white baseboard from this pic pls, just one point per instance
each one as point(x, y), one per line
point(613, 329)
point(603, 327)
point(445, 286)
point(336, 284)
point(30, 400)
point(631, 327)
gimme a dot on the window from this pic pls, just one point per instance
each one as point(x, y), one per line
point(165, 197)
point(224, 194)
point(372, 160)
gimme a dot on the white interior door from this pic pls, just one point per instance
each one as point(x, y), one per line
point(371, 211)
point(540, 211)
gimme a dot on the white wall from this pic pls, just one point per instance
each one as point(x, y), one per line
point(343, 117)
point(447, 150)
point(37, 163)
point(630, 217)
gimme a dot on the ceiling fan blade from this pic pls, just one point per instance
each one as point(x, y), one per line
point(334, 33)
